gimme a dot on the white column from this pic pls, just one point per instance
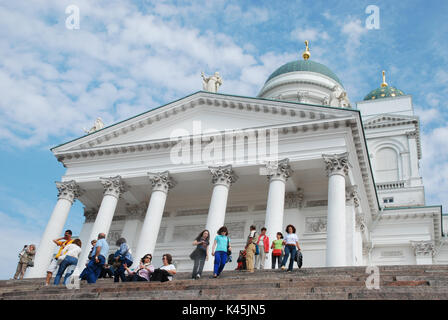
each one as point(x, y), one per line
point(68, 192)
point(86, 230)
point(337, 168)
point(278, 173)
point(161, 183)
point(134, 217)
point(222, 178)
point(113, 188)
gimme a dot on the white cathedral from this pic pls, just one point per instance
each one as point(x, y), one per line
point(299, 153)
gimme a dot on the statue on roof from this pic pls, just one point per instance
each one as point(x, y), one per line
point(338, 98)
point(211, 83)
point(98, 125)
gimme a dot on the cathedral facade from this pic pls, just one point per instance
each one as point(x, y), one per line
point(347, 177)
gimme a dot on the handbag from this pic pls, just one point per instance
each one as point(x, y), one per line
point(277, 252)
point(299, 258)
point(194, 254)
point(257, 250)
point(229, 252)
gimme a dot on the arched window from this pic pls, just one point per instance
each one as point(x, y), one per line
point(386, 165)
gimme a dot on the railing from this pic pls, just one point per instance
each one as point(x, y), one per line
point(390, 185)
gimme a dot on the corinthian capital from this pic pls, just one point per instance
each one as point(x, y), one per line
point(336, 163)
point(68, 190)
point(161, 181)
point(113, 186)
point(90, 214)
point(223, 175)
point(279, 170)
point(423, 248)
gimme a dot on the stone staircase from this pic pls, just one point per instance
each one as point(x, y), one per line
point(396, 282)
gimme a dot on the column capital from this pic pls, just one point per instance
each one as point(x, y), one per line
point(136, 211)
point(294, 199)
point(423, 248)
point(279, 170)
point(90, 214)
point(68, 190)
point(223, 175)
point(351, 194)
point(161, 181)
point(336, 163)
point(113, 186)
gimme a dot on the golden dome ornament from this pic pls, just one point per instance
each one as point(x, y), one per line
point(306, 54)
point(384, 84)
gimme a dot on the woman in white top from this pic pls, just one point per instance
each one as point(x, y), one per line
point(69, 257)
point(170, 268)
point(291, 242)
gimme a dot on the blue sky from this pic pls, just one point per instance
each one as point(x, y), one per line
point(131, 56)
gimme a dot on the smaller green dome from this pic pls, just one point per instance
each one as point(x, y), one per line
point(384, 92)
point(305, 65)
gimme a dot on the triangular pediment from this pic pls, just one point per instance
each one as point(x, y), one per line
point(202, 112)
point(385, 120)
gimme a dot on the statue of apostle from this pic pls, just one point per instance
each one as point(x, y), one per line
point(211, 83)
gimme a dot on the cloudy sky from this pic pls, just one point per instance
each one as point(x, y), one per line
point(128, 57)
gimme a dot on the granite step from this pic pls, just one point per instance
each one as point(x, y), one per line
point(396, 282)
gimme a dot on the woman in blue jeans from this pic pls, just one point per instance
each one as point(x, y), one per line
point(68, 257)
point(291, 242)
point(122, 255)
point(222, 246)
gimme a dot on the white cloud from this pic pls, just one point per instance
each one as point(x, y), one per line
point(354, 30)
point(435, 165)
point(57, 81)
point(310, 34)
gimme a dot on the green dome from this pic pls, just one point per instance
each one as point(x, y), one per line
point(384, 92)
point(305, 65)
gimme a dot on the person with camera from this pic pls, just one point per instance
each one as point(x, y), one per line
point(144, 271)
point(200, 254)
point(26, 259)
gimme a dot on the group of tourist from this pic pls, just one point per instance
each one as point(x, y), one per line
point(254, 254)
point(118, 265)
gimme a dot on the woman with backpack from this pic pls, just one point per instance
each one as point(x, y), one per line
point(223, 248)
point(200, 254)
